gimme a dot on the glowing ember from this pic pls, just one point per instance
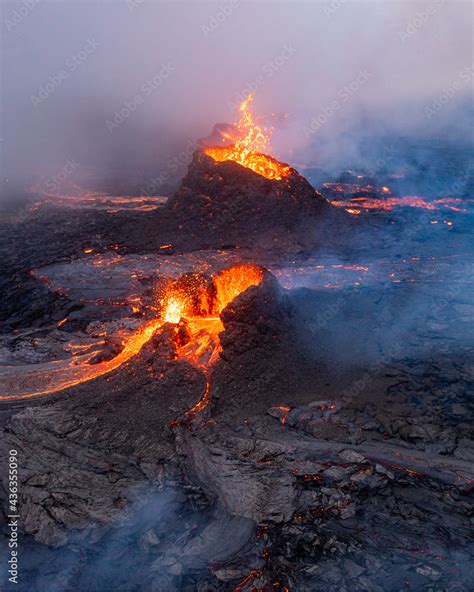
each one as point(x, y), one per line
point(174, 309)
point(190, 297)
point(248, 149)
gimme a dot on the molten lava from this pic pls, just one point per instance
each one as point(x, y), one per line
point(233, 281)
point(199, 304)
point(190, 297)
point(248, 149)
point(412, 201)
point(174, 309)
point(194, 300)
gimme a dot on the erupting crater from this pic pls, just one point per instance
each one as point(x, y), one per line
point(193, 303)
point(248, 150)
point(236, 194)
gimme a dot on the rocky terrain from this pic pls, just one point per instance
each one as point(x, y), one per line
point(217, 205)
point(336, 450)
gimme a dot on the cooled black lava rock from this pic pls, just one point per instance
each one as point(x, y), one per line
point(257, 318)
point(231, 203)
point(262, 359)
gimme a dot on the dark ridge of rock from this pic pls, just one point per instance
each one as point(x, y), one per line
point(310, 496)
point(224, 204)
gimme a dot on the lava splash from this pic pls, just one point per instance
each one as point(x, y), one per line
point(248, 150)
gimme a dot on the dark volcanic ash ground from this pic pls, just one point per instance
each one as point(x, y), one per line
point(336, 450)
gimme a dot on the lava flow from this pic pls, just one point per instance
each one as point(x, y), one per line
point(412, 201)
point(196, 302)
point(252, 140)
point(193, 301)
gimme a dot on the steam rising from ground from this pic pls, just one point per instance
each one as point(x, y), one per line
point(156, 537)
point(123, 89)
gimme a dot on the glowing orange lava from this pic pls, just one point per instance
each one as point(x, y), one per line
point(192, 299)
point(248, 149)
point(194, 302)
point(234, 280)
point(412, 201)
point(174, 309)
point(200, 307)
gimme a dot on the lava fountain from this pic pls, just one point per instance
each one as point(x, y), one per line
point(193, 300)
point(248, 150)
point(197, 303)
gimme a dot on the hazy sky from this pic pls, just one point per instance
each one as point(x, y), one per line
point(130, 81)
